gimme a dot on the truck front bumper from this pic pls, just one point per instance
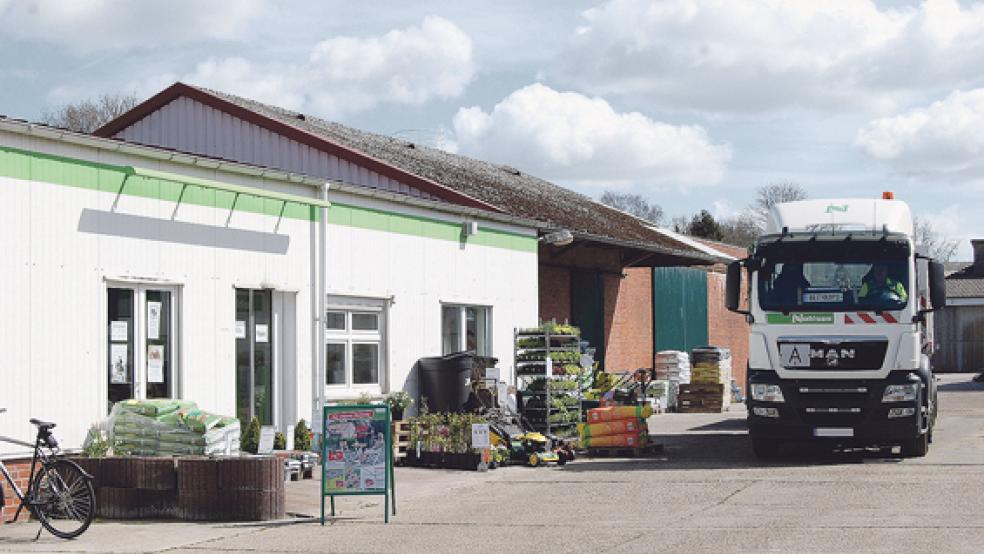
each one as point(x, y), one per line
point(841, 411)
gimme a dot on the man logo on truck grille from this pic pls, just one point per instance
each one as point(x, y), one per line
point(833, 356)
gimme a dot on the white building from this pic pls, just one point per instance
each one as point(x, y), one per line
point(134, 271)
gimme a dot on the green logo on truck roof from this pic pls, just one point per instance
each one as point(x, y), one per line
point(798, 318)
point(836, 208)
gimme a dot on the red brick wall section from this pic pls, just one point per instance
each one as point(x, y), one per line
point(727, 329)
point(20, 470)
point(629, 320)
point(555, 293)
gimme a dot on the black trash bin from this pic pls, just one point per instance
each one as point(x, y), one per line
point(443, 381)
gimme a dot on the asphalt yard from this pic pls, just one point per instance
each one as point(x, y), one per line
point(705, 492)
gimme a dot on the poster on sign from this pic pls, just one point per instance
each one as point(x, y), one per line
point(357, 450)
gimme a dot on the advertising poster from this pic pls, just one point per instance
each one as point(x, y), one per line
point(262, 333)
point(154, 320)
point(355, 451)
point(155, 363)
point(118, 360)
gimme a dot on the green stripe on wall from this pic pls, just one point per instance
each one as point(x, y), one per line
point(37, 166)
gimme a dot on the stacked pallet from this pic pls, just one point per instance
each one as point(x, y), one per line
point(616, 430)
point(401, 440)
point(673, 368)
point(709, 390)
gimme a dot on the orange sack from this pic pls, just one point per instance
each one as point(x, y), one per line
point(617, 427)
point(612, 413)
point(631, 440)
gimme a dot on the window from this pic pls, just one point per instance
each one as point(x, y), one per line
point(354, 343)
point(142, 342)
point(466, 328)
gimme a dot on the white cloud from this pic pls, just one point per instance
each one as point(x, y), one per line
point(348, 74)
point(944, 139)
point(89, 25)
point(577, 139)
point(756, 55)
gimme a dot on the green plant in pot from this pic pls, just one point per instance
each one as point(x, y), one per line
point(398, 402)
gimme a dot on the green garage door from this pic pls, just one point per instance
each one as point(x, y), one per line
point(679, 308)
point(588, 309)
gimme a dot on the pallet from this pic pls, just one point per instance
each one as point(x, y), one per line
point(701, 410)
point(702, 388)
point(625, 451)
point(401, 440)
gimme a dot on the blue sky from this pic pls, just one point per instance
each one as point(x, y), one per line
point(693, 104)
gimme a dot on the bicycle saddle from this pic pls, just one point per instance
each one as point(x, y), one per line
point(42, 424)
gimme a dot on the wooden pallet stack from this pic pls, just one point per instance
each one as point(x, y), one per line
point(401, 440)
point(702, 398)
point(709, 390)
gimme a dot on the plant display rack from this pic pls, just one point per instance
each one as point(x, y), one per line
point(550, 403)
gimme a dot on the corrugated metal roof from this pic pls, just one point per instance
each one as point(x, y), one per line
point(966, 283)
point(502, 187)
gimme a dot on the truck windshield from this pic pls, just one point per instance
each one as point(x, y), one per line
point(798, 285)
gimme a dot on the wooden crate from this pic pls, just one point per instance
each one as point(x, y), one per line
point(401, 439)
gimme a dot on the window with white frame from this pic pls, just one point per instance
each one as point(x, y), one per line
point(354, 340)
point(466, 328)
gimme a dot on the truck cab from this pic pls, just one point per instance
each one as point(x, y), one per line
point(840, 303)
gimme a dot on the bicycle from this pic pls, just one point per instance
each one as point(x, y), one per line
point(60, 493)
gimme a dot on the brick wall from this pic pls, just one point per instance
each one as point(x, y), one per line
point(555, 293)
point(20, 471)
point(725, 328)
point(629, 319)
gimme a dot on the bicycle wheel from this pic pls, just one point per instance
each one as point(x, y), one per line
point(63, 499)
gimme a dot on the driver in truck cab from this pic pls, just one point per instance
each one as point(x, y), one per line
point(880, 283)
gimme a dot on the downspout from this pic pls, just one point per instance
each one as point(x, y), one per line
point(322, 288)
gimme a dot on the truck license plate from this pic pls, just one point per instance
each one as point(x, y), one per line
point(795, 355)
point(833, 432)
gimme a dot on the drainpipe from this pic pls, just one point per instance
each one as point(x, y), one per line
point(322, 290)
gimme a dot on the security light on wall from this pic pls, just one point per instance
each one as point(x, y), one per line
point(469, 228)
point(562, 237)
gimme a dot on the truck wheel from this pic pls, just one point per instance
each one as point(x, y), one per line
point(916, 448)
point(765, 448)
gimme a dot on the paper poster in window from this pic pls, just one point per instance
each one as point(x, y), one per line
point(155, 363)
point(118, 331)
point(118, 370)
point(240, 329)
point(262, 333)
point(153, 320)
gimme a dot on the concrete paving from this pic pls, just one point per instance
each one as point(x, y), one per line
point(706, 492)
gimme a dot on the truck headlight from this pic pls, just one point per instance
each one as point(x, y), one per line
point(901, 393)
point(767, 393)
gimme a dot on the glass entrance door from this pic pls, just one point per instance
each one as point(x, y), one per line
point(254, 355)
point(141, 332)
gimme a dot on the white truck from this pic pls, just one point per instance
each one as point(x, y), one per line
point(840, 304)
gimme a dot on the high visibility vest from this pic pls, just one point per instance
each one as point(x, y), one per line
point(891, 285)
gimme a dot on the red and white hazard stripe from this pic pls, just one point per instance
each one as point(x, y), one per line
point(870, 317)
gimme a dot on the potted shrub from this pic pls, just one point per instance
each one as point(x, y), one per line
point(398, 402)
point(302, 437)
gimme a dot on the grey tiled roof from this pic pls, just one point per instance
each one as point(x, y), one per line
point(506, 188)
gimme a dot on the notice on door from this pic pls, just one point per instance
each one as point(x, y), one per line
point(118, 360)
point(154, 320)
point(240, 329)
point(262, 333)
point(155, 363)
point(118, 331)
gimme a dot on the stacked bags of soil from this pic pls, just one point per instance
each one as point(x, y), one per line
point(711, 365)
point(165, 427)
point(616, 426)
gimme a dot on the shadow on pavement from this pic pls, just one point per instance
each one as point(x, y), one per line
point(962, 386)
point(733, 424)
point(726, 451)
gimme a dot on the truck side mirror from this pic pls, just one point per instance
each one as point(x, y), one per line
point(732, 295)
point(937, 285)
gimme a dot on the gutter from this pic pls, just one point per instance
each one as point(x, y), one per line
point(708, 259)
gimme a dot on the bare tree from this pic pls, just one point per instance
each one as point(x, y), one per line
point(88, 115)
point(634, 204)
point(680, 224)
point(768, 196)
point(739, 230)
point(938, 245)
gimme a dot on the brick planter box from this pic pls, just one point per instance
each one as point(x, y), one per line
point(195, 489)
